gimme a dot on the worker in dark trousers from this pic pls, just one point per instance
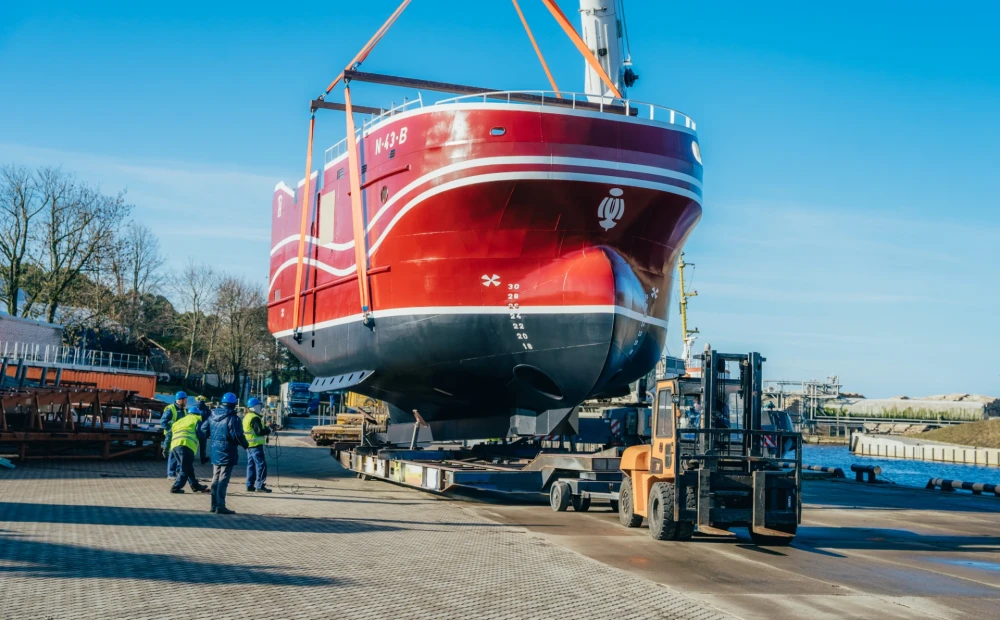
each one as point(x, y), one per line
point(206, 411)
point(171, 414)
point(225, 434)
point(256, 433)
point(186, 438)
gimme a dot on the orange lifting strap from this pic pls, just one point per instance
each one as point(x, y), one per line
point(363, 54)
point(580, 45)
point(538, 52)
point(305, 222)
point(357, 209)
point(352, 143)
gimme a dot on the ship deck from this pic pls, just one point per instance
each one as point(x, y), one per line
point(105, 539)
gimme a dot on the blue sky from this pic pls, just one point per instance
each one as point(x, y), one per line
point(851, 149)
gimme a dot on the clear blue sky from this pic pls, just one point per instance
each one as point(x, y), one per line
point(852, 149)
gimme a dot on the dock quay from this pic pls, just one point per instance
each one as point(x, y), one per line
point(104, 539)
point(922, 450)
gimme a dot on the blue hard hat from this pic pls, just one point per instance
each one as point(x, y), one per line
point(180, 395)
point(229, 398)
point(194, 409)
point(253, 401)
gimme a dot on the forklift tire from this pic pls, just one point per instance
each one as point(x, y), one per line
point(559, 496)
point(764, 540)
point(614, 505)
point(626, 510)
point(661, 512)
point(685, 529)
point(581, 504)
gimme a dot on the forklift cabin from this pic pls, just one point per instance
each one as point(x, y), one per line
point(719, 475)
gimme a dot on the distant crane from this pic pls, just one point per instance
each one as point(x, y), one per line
point(689, 335)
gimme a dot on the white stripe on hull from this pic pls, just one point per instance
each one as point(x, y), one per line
point(486, 178)
point(488, 310)
point(505, 161)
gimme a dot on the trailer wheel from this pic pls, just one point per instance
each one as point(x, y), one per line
point(661, 512)
point(766, 540)
point(581, 504)
point(559, 496)
point(626, 509)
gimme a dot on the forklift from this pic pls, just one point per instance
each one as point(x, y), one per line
point(716, 474)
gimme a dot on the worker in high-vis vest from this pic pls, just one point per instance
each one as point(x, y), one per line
point(186, 436)
point(171, 414)
point(256, 434)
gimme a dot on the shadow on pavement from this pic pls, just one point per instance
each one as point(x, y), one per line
point(48, 560)
point(14, 512)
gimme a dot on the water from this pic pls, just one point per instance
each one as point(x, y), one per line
point(901, 471)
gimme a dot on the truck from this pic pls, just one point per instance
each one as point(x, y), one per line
point(729, 470)
point(295, 398)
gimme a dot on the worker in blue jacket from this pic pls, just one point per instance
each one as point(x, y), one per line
point(202, 403)
point(225, 434)
point(171, 414)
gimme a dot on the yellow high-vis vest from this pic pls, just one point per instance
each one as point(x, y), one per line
point(184, 432)
point(175, 413)
point(253, 439)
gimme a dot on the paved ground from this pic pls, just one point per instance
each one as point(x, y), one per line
point(106, 540)
point(862, 552)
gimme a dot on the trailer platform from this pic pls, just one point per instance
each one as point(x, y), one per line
point(495, 468)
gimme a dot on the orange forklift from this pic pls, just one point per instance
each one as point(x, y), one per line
point(707, 463)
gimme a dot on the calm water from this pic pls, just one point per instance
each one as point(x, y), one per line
point(900, 471)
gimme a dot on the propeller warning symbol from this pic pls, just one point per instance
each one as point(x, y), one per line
point(493, 280)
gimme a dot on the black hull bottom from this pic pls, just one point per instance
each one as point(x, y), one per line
point(467, 367)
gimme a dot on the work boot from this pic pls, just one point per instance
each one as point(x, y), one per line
point(263, 489)
point(222, 510)
point(202, 489)
point(176, 490)
point(249, 489)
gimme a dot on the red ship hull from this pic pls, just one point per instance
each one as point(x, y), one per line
point(520, 259)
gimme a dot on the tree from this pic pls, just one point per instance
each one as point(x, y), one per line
point(133, 272)
point(243, 335)
point(19, 205)
point(78, 227)
point(193, 285)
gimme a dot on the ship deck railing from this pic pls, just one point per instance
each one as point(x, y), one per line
point(582, 101)
point(562, 99)
point(340, 148)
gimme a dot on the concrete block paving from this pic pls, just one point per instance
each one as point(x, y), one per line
point(88, 540)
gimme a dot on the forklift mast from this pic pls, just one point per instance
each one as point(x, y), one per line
point(715, 396)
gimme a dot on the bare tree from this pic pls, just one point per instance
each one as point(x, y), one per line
point(19, 205)
point(212, 323)
point(130, 268)
point(242, 316)
point(194, 285)
point(78, 228)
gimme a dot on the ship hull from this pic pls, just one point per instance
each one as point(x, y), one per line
point(516, 273)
